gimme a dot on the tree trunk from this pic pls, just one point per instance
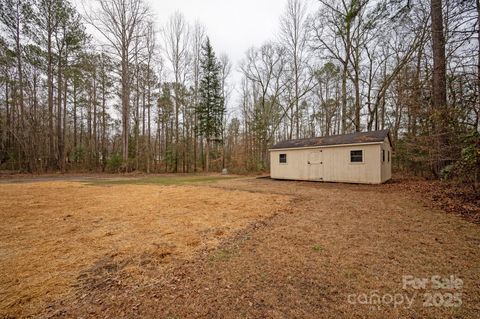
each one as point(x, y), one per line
point(478, 60)
point(59, 113)
point(74, 115)
point(137, 111)
point(207, 156)
point(64, 120)
point(51, 154)
point(149, 132)
point(439, 99)
point(104, 124)
point(176, 125)
point(344, 97)
point(125, 106)
point(94, 123)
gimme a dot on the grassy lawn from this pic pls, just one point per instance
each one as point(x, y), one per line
point(163, 180)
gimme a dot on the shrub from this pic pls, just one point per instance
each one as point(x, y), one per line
point(79, 154)
point(466, 168)
point(114, 163)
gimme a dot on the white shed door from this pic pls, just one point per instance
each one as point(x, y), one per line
point(315, 165)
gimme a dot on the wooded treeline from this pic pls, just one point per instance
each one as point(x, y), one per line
point(130, 98)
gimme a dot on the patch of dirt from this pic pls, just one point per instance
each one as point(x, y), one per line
point(64, 239)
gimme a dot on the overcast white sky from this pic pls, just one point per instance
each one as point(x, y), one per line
point(232, 25)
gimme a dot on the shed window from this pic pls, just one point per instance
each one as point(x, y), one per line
point(283, 158)
point(389, 156)
point(356, 156)
point(383, 155)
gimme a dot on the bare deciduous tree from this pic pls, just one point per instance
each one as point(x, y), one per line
point(294, 37)
point(120, 22)
point(176, 44)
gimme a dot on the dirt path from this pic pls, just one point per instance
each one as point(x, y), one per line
point(317, 259)
point(37, 179)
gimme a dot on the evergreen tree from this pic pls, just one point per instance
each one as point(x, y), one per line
point(211, 108)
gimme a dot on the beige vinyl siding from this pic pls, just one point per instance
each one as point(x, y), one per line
point(335, 164)
point(387, 165)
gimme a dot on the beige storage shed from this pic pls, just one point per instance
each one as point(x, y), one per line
point(363, 157)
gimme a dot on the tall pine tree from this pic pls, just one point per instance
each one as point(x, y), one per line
point(211, 107)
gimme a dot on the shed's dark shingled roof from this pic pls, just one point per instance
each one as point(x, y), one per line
point(353, 138)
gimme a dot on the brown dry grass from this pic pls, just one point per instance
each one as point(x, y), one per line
point(304, 262)
point(54, 235)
